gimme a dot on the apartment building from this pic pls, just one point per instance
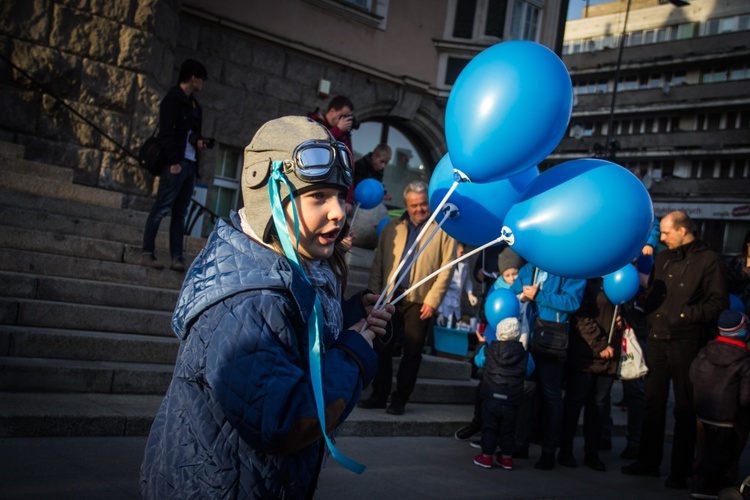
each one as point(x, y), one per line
point(664, 90)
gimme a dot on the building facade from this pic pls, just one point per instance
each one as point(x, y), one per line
point(112, 62)
point(673, 105)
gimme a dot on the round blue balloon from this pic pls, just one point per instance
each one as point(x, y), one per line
point(736, 304)
point(369, 193)
point(482, 206)
point(501, 303)
point(381, 225)
point(507, 110)
point(581, 219)
point(622, 285)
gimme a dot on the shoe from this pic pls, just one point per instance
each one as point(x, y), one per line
point(521, 453)
point(675, 482)
point(148, 260)
point(593, 462)
point(396, 408)
point(640, 469)
point(467, 432)
point(605, 444)
point(566, 459)
point(484, 461)
point(178, 264)
point(630, 452)
point(547, 462)
point(476, 443)
point(372, 403)
point(504, 462)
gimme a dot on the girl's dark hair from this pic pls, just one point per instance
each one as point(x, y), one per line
point(190, 68)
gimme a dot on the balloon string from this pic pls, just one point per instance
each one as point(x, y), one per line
point(392, 278)
point(356, 209)
point(612, 328)
point(456, 261)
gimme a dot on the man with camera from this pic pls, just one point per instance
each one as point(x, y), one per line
point(340, 122)
point(180, 120)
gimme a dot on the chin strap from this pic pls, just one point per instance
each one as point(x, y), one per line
point(315, 322)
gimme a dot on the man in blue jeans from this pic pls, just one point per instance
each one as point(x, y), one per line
point(180, 120)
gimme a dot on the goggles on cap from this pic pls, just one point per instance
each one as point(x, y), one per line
point(314, 161)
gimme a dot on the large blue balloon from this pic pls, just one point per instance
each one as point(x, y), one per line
point(507, 110)
point(581, 219)
point(369, 193)
point(622, 285)
point(501, 303)
point(482, 206)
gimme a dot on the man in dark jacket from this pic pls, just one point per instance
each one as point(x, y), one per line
point(685, 296)
point(180, 121)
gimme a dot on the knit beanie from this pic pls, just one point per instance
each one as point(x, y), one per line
point(277, 140)
point(507, 330)
point(507, 259)
point(733, 324)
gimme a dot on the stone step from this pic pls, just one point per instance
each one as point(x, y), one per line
point(61, 244)
point(64, 375)
point(94, 414)
point(21, 261)
point(10, 150)
point(61, 190)
point(48, 314)
point(55, 343)
point(15, 166)
point(79, 291)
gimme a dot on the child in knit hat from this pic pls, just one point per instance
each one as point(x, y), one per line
point(721, 395)
point(501, 391)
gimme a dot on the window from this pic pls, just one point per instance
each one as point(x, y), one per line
point(463, 24)
point(685, 31)
point(655, 81)
point(455, 66)
point(649, 36)
point(727, 24)
point(478, 19)
point(224, 194)
point(635, 38)
point(743, 22)
point(677, 77)
point(663, 34)
point(524, 21)
point(495, 24)
point(372, 13)
point(712, 27)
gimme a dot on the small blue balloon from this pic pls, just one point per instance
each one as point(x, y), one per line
point(507, 110)
point(381, 225)
point(369, 193)
point(482, 206)
point(736, 304)
point(581, 219)
point(622, 285)
point(501, 303)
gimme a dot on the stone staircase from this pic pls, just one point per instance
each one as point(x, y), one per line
point(86, 346)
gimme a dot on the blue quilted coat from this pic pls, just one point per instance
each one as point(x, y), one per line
point(239, 418)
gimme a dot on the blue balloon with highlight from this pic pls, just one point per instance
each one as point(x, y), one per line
point(369, 193)
point(581, 219)
point(507, 110)
point(482, 206)
point(501, 303)
point(622, 285)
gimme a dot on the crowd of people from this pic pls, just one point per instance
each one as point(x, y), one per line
point(273, 359)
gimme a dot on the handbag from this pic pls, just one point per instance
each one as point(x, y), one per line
point(150, 155)
point(550, 339)
point(632, 365)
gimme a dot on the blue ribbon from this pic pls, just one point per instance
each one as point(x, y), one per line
point(315, 322)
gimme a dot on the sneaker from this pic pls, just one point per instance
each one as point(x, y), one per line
point(566, 459)
point(396, 408)
point(372, 402)
point(593, 462)
point(640, 469)
point(178, 264)
point(476, 443)
point(504, 462)
point(630, 452)
point(148, 260)
point(484, 461)
point(467, 431)
point(546, 462)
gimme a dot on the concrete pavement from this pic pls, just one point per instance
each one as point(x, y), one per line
point(397, 467)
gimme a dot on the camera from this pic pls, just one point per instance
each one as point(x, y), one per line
point(355, 122)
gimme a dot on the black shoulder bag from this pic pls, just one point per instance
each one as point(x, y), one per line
point(550, 338)
point(150, 156)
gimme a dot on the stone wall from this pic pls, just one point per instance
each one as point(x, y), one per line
point(113, 60)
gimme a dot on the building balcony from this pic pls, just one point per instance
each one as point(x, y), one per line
point(727, 188)
point(657, 145)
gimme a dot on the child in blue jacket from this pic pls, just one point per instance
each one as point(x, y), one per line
point(271, 359)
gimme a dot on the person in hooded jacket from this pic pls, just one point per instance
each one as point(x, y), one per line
point(590, 368)
point(721, 394)
point(268, 348)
